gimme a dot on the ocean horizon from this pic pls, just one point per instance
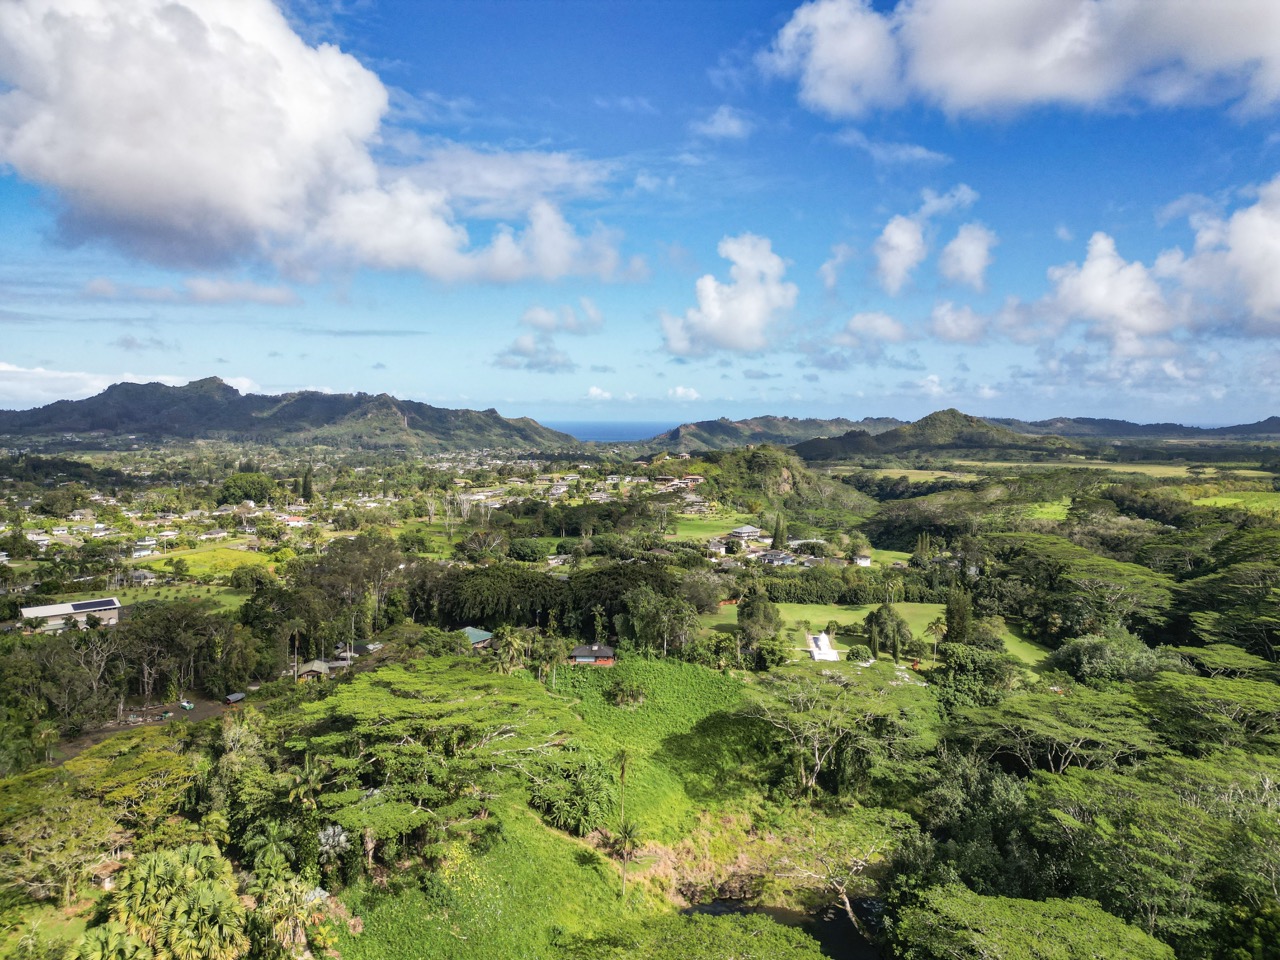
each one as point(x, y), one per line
point(610, 431)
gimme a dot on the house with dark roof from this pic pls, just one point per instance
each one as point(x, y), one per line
point(594, 653)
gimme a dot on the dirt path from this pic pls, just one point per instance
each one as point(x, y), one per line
point(203, 710)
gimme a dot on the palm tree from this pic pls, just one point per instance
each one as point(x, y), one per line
point(937, 629)
point(627, 842)
point(272, 840)
point(510, 643)
point(215, 830)
point(111, 941)
point(284, 910)
point(306, 783)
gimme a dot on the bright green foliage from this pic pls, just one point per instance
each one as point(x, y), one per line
point(890, 628)
point(841, 731)
point(1049, 731)
point(574, 792)
point(413, 749)
point(1203, 713)
point(707, 938)
point(953, 923)
point(140, 776)
point(658, 622)
point(52, 841)
point(1225, 659)
point(969, 676)
point(111, 941)
point(1151, 846)
point(1118, 657)
point(182, 904)
point(757, 617)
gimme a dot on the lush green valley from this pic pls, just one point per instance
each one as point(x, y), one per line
point(1045, 721)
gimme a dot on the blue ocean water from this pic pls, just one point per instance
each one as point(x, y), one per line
point(611, 431)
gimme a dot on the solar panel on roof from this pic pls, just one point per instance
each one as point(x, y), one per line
point(84, 606)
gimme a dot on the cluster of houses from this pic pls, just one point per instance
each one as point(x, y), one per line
point(753, 543)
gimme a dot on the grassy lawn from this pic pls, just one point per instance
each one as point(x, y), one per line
point(206, 561)
point(886, 557)
point(1028, 651)
point(224, 598)
point(707, 527)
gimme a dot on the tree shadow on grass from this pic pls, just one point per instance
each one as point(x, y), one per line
point(725, 755)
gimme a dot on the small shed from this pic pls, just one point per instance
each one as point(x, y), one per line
point(595, 653)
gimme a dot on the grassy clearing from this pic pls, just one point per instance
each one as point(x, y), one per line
point(1029, 652)
point(887, 557)
point(223, 598)
point(677, 736)
point(707, 527)
point(213, 561)
point(1147, 469)
point(531, 885)
point(1050, 510)
point(1264, 502)
point(918, 616)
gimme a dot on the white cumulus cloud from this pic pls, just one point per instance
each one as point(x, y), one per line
point(596, 393)
point(958, 324)
point(683, 394)
point(968, 56)
point(966, 258)
point(23, 387)
point(902, 244)
point(736, 315)
point(207, 132)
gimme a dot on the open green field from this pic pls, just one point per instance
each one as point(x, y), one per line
point(206, 561)
point(224, 598)
point(920, 476)
point(1056, 510)
point(887, 557)
point(917, 615)
point(1256, 501)
point(1029, 652)
point(707, 527)
point(1177, 470)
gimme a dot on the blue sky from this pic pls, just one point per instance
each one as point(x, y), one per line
point(649, 210)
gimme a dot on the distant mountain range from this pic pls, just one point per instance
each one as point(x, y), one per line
point(953, 430)
point(212, 409)
point(724, 434)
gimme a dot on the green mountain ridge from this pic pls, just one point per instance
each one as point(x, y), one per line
point(211, 408)
point(943, 429)
point(724, 434)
